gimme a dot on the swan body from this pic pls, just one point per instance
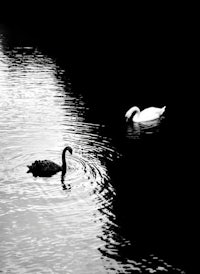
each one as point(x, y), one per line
point(46, 168)
point(147, 114)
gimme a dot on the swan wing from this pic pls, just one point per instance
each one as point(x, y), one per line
point(44, 167)
point(151, 113)
point(50, 166)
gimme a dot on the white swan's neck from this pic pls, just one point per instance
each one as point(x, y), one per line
point(131, 111)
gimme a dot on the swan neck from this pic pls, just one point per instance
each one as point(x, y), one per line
point(64, 164)
point(131, 111)
point(136, 109)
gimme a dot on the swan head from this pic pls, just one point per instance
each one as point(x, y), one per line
point(68, 148)
point(130, 112)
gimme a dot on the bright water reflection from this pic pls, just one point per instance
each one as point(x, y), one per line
point(50, 226)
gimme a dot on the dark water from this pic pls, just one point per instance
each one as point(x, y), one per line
point(121, 206)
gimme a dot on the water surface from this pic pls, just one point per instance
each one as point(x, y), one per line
point(49, 225)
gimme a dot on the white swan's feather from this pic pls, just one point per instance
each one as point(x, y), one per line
point(147, 114)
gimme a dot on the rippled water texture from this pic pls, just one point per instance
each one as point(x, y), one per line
point(48, 225)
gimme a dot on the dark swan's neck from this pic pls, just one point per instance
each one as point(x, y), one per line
point(64, 164)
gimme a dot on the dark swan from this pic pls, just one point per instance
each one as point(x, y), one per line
point(46, 168)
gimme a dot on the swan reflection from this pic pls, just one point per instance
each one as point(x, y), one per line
point(137, 130)
point(64, 185)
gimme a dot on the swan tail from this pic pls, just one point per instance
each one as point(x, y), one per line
point(163, 109)
point(30, 169)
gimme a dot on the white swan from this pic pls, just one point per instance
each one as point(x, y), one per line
point(147, 114)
